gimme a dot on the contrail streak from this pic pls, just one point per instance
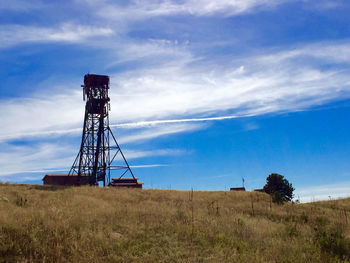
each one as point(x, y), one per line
point(150, 123)
point(121, 125)
point(6, 173)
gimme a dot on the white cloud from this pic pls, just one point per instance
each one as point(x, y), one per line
point(261, 86)
point(338, 52)
point(34, 158)
point(151, 52)
point(323, 192)
point(134, 154)
point(147, 166)
point(49, 157)
point(157, 122)
point(134, 9)
point(66, 33)
point(108, 13)
point(151, 8)
point(41, 115)
point(156, 132)
point(142, 135)
point(283, 81)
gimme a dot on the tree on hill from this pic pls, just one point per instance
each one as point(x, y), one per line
point(279, 188)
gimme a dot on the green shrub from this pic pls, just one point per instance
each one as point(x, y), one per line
point(332, 241)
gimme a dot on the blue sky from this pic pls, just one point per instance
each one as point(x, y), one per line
point(203, 92)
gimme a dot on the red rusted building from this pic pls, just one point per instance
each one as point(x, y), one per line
point(64, 179)
point(130, 182)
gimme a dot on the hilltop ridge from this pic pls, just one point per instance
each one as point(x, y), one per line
point(91, 224)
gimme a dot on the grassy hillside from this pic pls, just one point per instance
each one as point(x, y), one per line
point(87, 224)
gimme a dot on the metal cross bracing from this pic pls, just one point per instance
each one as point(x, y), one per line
point(99, 151)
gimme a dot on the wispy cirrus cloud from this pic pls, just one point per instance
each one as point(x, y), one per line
point(150, 52)
point(134, 154)
point(257, 85)
point(11, 35)
point(168, 75)
point(187, 120)
point(152, 8)
point(34, 158)
point(39, 114)
point(159, 131)
point(275, 82)
point(40, 158)
point(325, 51)
point(134, 9)
point(118, 16)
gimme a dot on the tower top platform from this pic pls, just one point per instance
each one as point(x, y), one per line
point(93, 80)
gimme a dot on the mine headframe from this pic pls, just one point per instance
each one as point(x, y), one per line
point(99, 151)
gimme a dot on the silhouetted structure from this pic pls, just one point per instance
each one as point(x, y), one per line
point(130, 182)
point(64, 179)
point(99, 151)
point(237, 189)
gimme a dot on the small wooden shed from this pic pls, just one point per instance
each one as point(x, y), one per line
point(129, 182)
point(64, 179)
point(237, 189)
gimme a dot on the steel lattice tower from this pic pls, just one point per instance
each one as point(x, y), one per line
point(99, 150)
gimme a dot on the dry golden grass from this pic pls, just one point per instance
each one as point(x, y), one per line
point(87, 224)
